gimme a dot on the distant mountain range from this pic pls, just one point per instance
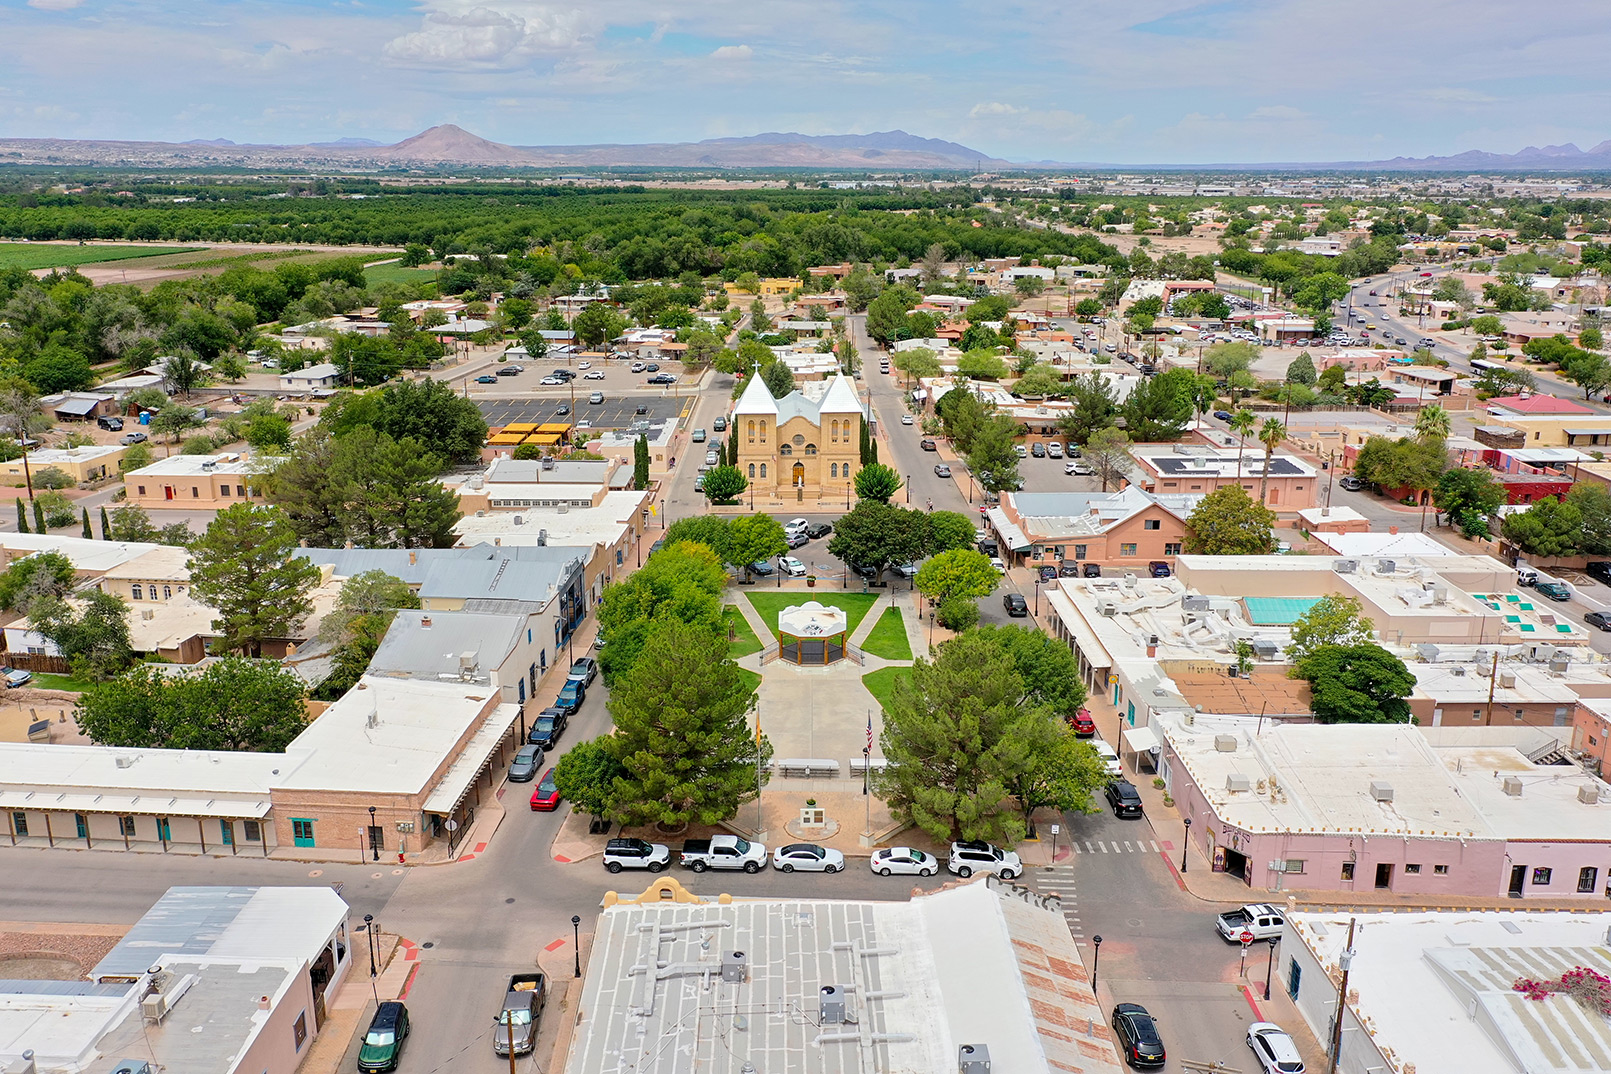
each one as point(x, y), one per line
point(448, 145)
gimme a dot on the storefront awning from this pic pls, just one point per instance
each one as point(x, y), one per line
point(1011, 535)
point(1140, 739)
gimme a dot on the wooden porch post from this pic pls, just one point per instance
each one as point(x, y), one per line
point(50, 835)
point(202, 835)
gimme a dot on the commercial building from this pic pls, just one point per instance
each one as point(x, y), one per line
point(216, 979)
point(607, 537)
point(511, 650)
point(964, 978)
point(1422, 811)
point(1437, 992)
point(1194, 468)
point(1123, 530)
point(195, 482)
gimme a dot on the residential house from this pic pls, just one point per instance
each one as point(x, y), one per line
point(1167, 468)
point(321, 377)
point(1122, 530)
point(79, 406)
point(195, 482)
point(90, 462)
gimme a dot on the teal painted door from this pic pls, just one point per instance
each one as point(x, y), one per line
point(301, 832)
point(83, 825)
point(162, 830)
point(229, 832)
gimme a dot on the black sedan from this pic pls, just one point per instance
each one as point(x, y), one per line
point(819, 529)
point(1599, 620)
point(1138, 1035)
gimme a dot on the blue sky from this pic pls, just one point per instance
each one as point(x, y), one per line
point(1129, 81)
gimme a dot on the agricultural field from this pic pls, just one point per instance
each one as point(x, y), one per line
point(45, 255)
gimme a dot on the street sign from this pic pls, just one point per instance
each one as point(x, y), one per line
point(1056, 829)
point(1247, 938)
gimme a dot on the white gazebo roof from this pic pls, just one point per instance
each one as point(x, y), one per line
point(811, 620)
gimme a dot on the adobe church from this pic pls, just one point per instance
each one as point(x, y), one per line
point(808, 440)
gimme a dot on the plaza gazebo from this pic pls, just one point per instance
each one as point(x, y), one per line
point(810, 634)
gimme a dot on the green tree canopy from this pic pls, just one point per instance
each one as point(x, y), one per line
point(877, 482)
point(1361, 683)
point(1093, 404)
point(1469, 496)
point(752, 539)
point(874, 535)
point(1331, 620)
point(960, 573)
point(232, 704)
point(1547, 529)
point(725, 484)
point(244, 568)
point(991, 455)
point(1160, 407)
point(682, 733)
point(585, 777)
point(43, 574)
point(1229, 522)
point(94, 637)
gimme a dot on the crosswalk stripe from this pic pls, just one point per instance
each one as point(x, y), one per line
point(1088, 847)
point(1155, 849)
point(1115, 848)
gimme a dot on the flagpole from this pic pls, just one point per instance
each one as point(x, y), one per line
point(866, 778)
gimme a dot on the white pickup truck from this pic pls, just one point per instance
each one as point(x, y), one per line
point(723, 852)
point(1260, 918)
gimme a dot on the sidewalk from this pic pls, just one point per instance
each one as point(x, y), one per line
point(348, 1012)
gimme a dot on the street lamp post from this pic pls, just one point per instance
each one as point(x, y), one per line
point(369, 927)
point(374, 844)
point(1269, 971)
point(1096, 953)
point(1037, 596)
point(1185, 846)
point(576, 940)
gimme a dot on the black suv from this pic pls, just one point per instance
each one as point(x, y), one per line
point(1138, 1035)
point(1015, 604)
point(1125, 799)
point(1092, 570)
point(1599, 570)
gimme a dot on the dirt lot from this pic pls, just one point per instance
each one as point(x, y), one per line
point(213, 259)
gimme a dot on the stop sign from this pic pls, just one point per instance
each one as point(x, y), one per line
point(1247, 938)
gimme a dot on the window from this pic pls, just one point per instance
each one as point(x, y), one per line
point(785, 449)
point(1079, 551)
point(195, 493)
point(1541, 877)
point(811, 449)
point(1172, 548)
point(223, 490)
point(252, 831)
point(128, 825)
point(1127, 549)
point(240, 490)
point(752, 469)
point(1151, 524)
point(1587, 877)
point(137, 591)
point(1348, 870)
point(300, 1030)
point(833, 469)
point(1476, 714)
point(140, 490)
point(1412, 868)
point(763, 430)
point(798, 439)
point(1197, 488)
point(763, 469)
point(1295, 865)
point(1440, 870)
point(167, 592)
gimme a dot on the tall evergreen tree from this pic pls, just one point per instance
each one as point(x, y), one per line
point(22, 517)
point(640, 463)
point(244, 568)
point(105, 525)
point(39, 517)
point(89, 534)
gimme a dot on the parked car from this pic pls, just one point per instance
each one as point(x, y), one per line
point(570, 698)
point(523, 1003)
point(1055, 450)
point(797, 539)
point(720, 425)
point(1274, 1049)
point(819, 529)
point(1351, 483)
point(762, 568)
point(807, 858)
point(1021, 451)
point(549, 725)
point(584, 365)
point(593, 374)
point(596, 398)
point(1125, 799)
point(562, 410)
point(111, 425)
point(15, 677)
point(928, 445)
point(942, 470)
point(1554, 590)
point(509, 371)
point(1038, 450)
point(1048, 573)
point(1069, 570)
point(1110, 760)
point(384, 1039)
point(1158, 569)
point(996, 562)
point(903, 861)
point(1084, 726)
point(641, 408)
point(906, 419)
point(662, 378)
point(545, 799)
point(905, 570)
point(486, 378)
point(635, 854)
point(796, 525)
point(1599, 570)
point(652, 367)
point(1078, 466)
point(586, 669)
point(723, 852)
point(1138, 1035)
point(1264, 921)
point(1598, 619)
point(1223, 415)
point(791, 566)
point(712, 458)
point(528, 759)
point(638, 367)
point(1091, 570)
point(976, 856)
point(1016, 605)
point(700, 436)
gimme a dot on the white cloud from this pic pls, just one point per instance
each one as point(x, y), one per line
point(1278, 111)
point(733, 52)
point(484, 36)
point(54, 5)
point(994, 108)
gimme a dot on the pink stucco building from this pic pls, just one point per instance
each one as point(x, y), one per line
point(1424, 811)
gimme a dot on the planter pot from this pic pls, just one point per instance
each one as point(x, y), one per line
point(811, 583)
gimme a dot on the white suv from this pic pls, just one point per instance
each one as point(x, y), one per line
point(635, 854)
point(980, 857)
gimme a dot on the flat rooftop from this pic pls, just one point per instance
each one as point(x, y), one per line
point(576, 526)
point(196, 465)
point(1438, 988)
point(88, 556)
point(959, 966)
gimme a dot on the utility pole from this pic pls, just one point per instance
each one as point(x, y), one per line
point(1345, 960)
point(1493, 681)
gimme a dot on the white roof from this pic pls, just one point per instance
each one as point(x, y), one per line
point(195, 465)
point(579, 526)
point(322, 371)
point(757, 398)
point(1317, 516)
point(92, 557)
point(1383, 544)
point(104, 779)
point(811, 620)
point(83, 453)
point(416, 726)
point(841, 398)
point(1438, 988)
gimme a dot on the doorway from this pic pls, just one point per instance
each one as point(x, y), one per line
point(1518, 876)
point(1384, 875)
point(1236, 863)
point(167, 492)
point(798, 475)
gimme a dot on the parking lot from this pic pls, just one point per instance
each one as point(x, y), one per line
point(616, 412)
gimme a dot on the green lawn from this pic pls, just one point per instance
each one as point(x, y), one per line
point(32, 255)
point(888, 637)
point(854, 605)
point(744, 640)
point(46, 681)
point(752, 678)
point(396, 273)
point(881, 683)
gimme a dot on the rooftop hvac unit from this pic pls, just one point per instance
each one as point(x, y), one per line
point(132, 1066)
point(1108, 608)
point(973, 1059)
point(831, 1005)
point(547, 463)
point(1225, 743)
point(1385, 566)
point(1236, 782)
point(1381, 790)
point(1428, 652)
point(734, 966)
point(1129, 580)
point(1440, 594)
point(1507, 679)
point(1345, 566)
point(1194, 603)
point(1560, 662)
point(1459, 671)
point(542, 538)
point(209, 465)
point(1264, 648)
point(1482, 657)
point(1513, 786)
point(519, 520)
point(1589, 794)
point(1152, 639)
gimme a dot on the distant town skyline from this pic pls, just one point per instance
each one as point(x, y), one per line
point(1143, 81)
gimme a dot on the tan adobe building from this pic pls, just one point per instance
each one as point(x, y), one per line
point(1126, 529)
point(809, 440)
point(87, 463)
point(195, 482)
point(1193, 468)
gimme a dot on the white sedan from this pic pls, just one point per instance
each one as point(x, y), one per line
point(791, 566)
point(903, 861)
point(593, 374)
point(1274, 1049)
point(584, 365)
point(906, 419)
point(552, 381)
point(807, 858)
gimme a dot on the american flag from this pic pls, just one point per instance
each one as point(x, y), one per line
point(869, 748)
